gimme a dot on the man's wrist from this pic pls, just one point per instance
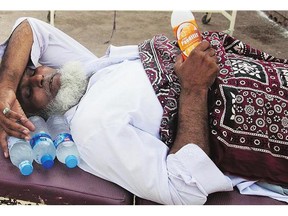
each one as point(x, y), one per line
point(193, 100)
point(194, 91)
point(192, 119)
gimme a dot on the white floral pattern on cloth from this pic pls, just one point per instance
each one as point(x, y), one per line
point(158, 57)
point(248, 106)
point(248, 112)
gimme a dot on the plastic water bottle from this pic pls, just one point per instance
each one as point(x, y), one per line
point(21, 155)
point(66, 150)
point(44, 151)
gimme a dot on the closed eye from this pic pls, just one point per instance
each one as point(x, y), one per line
point(28, 92)
point(29, 72)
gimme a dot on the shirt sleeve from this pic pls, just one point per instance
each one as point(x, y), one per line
point(259, 188)
point(191, 167)
point(52, 47)
point(138, 162)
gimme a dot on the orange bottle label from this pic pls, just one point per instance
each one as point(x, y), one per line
point(188, 36)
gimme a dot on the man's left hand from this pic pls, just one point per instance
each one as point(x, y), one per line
point(13, 121)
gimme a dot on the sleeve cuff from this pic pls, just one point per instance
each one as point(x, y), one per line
point(200, 167)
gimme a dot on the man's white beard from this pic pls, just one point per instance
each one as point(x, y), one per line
point(73, 86)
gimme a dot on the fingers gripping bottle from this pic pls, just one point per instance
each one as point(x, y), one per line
point(21, 155)
point(186, 31)
point(44, 151)
point(66, 150)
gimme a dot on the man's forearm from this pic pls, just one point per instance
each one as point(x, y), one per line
point(192, 121)
point(16, 56)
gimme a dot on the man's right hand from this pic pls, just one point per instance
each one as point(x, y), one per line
point(200, 68)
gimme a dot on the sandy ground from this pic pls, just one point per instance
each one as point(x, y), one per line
point(94, 28)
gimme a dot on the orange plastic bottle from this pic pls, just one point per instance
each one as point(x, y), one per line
point(186, 31)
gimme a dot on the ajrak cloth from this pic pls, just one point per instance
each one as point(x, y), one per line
point(249, 111)
point(248, 105)
point(158, 56)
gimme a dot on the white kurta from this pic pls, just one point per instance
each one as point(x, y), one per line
point(116, 124)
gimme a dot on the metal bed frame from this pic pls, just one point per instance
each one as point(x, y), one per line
point(230, 16)
point(205, 19)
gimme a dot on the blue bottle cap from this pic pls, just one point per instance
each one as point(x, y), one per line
point(71, 161)
point(26, 168)
point(47, 161)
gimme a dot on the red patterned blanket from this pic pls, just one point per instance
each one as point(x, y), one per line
point(248, 105)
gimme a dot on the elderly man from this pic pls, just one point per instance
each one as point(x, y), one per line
point(116, 105)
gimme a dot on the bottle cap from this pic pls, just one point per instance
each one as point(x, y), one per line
point(47, 161)
point(26, 167)
point(71, 161)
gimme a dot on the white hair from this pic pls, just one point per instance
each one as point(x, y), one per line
point(73, 86)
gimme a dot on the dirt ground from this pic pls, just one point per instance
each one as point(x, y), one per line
point(94, 28)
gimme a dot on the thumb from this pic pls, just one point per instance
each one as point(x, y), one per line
point(3, 142)
point(17, 108)
point(24, 120)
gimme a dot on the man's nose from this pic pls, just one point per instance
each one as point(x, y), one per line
point(37, 80)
